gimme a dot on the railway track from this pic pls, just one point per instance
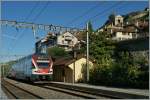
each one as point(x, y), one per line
point(97, 94)
point(75, 92)
point(71, 91)
point(91, 93)
point(18, 93)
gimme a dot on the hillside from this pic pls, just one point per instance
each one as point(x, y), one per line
point(138, 15)
point(129, 18)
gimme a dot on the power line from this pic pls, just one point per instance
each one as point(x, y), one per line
point(85, 13)
point(27, 17)
point(39, 26)
point(35, 18)
point(102, 12)
point(7, 36)
point(11, 55)
point(41, 11)
point(31, 12)
point(111, 9)
point(113, 6)
point(6, 58)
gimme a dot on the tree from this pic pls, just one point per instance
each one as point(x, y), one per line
point(101, 49)
point(90, 28)
point(6, 67)
point(112, 17)
point(57, 52)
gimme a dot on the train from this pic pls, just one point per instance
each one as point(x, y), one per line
point(34, 67)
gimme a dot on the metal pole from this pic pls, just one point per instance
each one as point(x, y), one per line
point(3, 72)
point(73, 68)
point(74, 56)
point(73, 72)
point(87, 54)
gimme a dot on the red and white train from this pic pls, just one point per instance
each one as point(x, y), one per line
point(33, 68)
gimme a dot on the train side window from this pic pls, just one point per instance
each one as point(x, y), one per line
point(32, 66)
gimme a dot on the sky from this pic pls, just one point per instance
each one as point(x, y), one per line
point(63, 13)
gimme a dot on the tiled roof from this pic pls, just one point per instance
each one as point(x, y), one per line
point(63, 61)
point(131, 29)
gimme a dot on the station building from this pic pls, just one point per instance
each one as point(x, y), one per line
point(69, 69)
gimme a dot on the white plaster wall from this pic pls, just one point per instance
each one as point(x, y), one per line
point(61, 38)
point(120, 35)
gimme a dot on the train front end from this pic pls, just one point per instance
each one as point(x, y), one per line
point(42, 67)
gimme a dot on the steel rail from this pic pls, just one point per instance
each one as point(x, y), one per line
point(85, 91)
point(11, 93)
point(26, 91)
point(73, 91)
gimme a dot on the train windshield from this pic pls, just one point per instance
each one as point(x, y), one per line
point(43, 65)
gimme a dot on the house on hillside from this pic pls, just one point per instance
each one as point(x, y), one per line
point(64, 68)
point(120, 29)
point(49, 41)
point(65, 40)
point(114, 22)
point(118, 21)
point(128, 32)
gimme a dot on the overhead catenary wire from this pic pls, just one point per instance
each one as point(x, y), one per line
point(85, 13)
point(26, 18)
point(7, 57)
point(41, 11)
point(95, 19)
point(4, 55)
point(36, 17)
point(31, 12)
point(40, 26)
point(102, 12)
point(113, 6)
point(47, 5)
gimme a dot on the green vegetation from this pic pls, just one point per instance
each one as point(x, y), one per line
point(90, 28)
point(113, 67)
point(130, 17)
point(6, 67)
point(102, 50)
point(127, 71)
point(57, 52)
point(140, 44)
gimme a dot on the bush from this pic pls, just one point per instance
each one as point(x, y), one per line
point(57, 52)
point(123, 72)
point(114, 67)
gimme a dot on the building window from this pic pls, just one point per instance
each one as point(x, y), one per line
point(119, 21)
point(123, 33)
point(62, 41)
